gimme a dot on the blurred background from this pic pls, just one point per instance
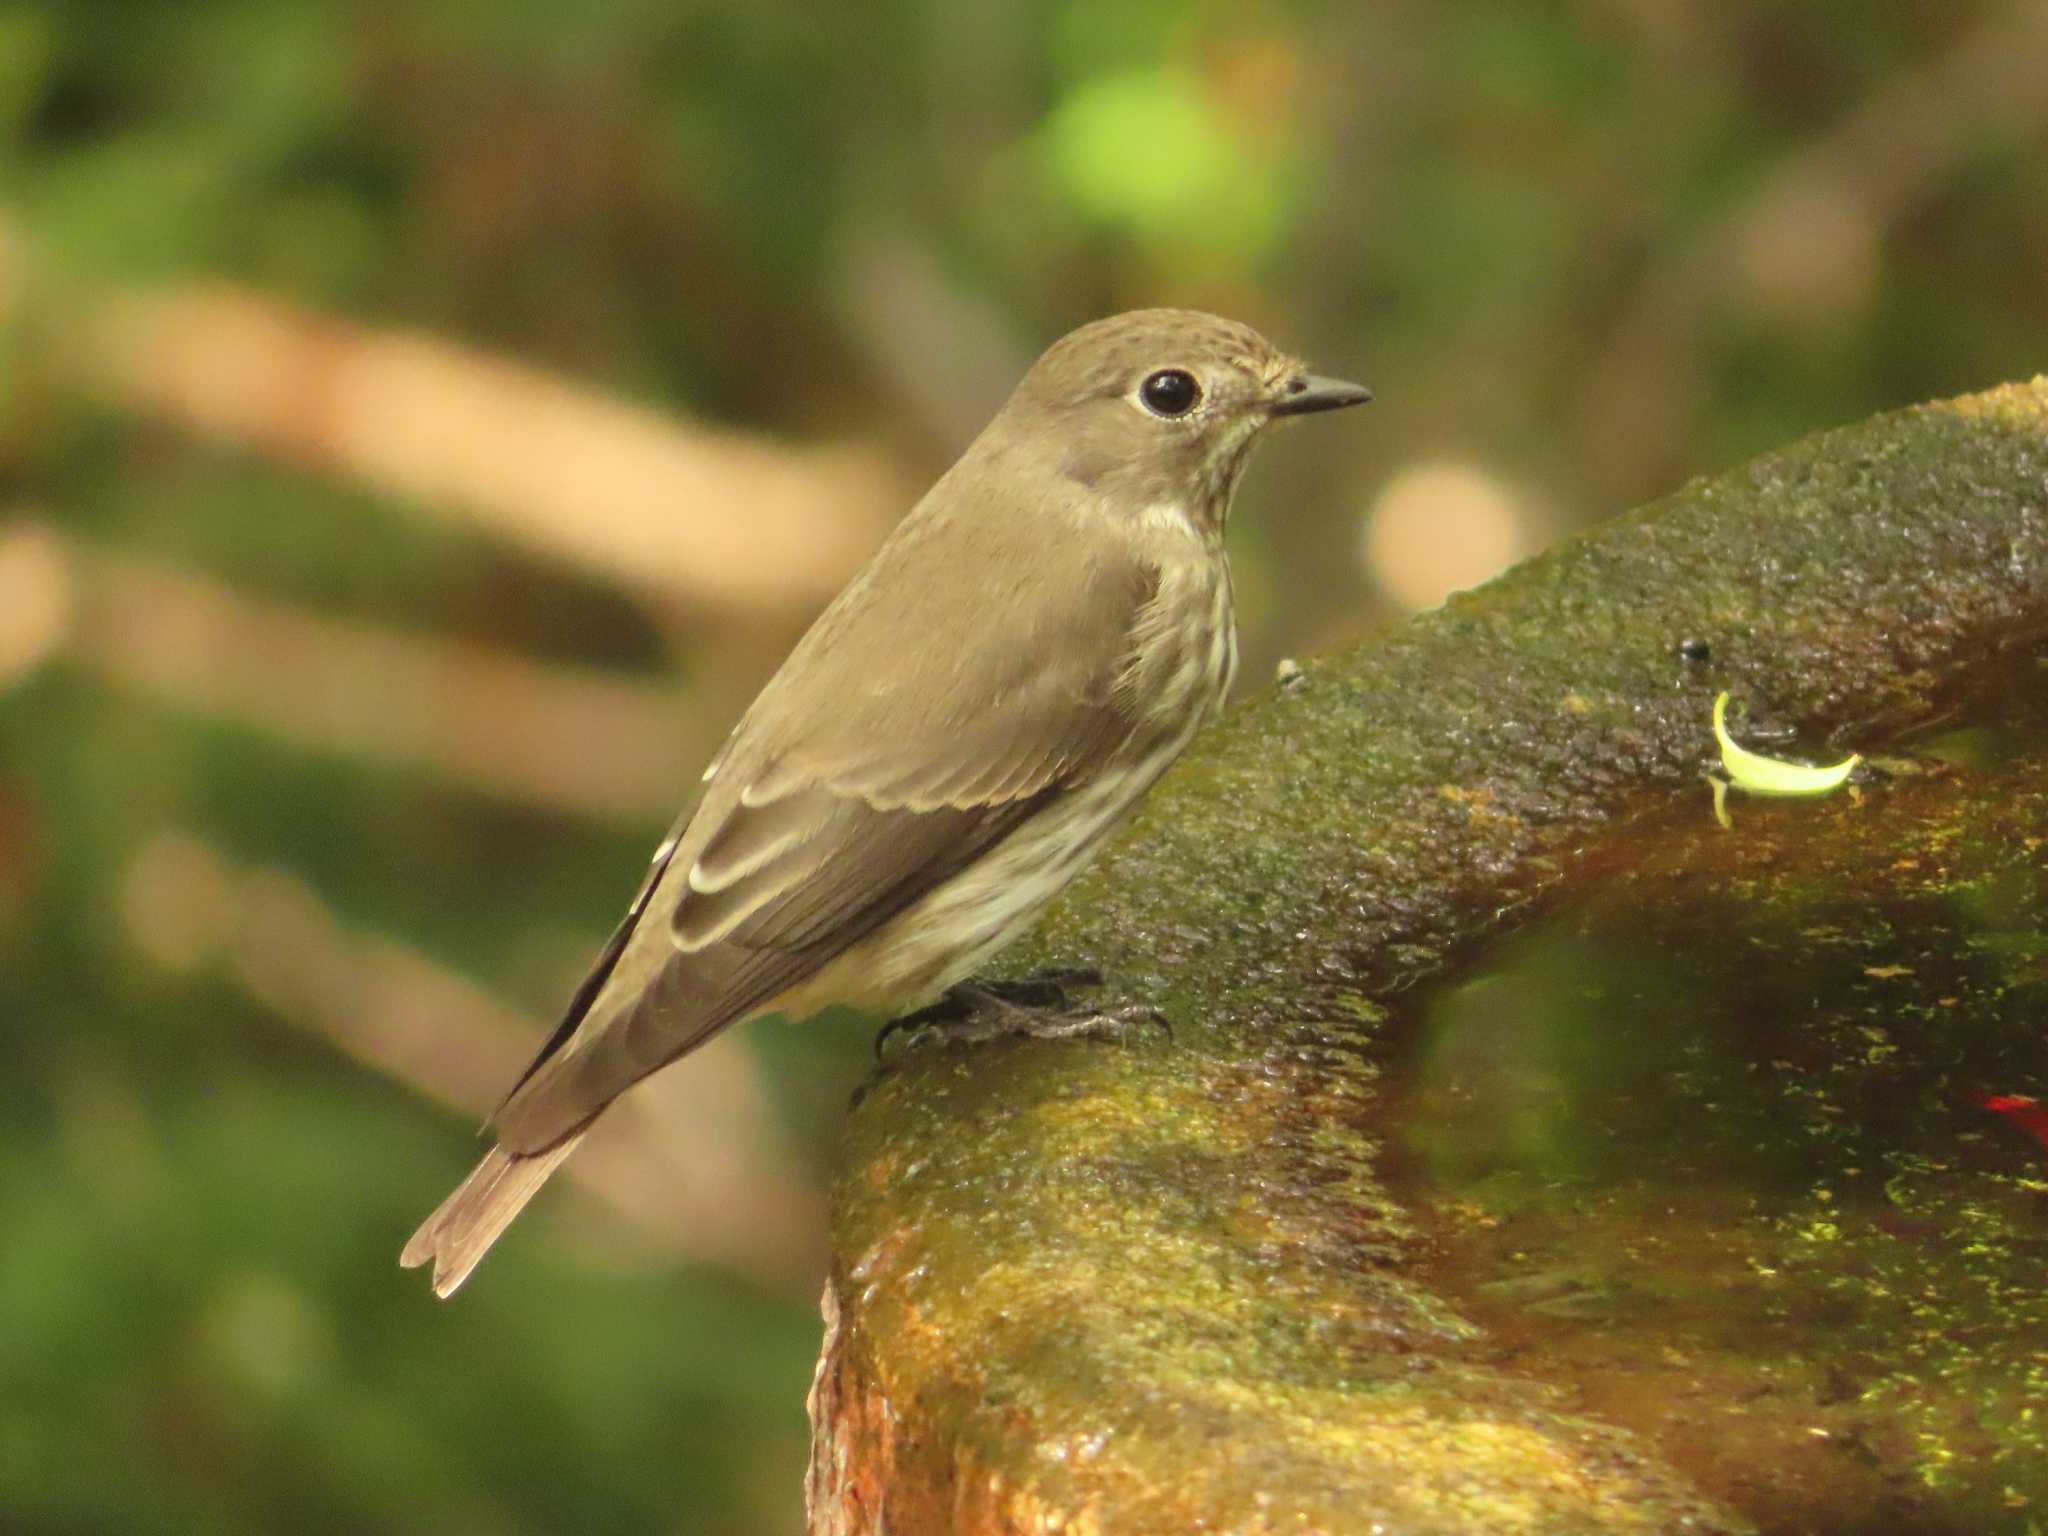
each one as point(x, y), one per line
point(423, 427)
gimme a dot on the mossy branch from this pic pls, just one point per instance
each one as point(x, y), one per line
point(1087, 1288)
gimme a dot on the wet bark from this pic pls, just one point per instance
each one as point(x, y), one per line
point(1186, 1284)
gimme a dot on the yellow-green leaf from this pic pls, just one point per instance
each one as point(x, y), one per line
point(1760, 775)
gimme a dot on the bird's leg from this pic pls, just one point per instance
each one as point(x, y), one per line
point(1046, 989)
point(1032, 1006)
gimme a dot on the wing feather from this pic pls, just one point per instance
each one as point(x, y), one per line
point(863, 867)
point(600, 970)
point(753, 844)
point(820, 824)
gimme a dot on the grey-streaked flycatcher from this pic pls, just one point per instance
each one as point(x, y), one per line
point(947, 746)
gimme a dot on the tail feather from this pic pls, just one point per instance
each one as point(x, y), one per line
point(461, 1231)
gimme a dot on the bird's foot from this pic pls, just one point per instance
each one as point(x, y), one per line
point(974, 1013)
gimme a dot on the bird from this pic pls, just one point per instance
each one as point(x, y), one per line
point(948, 745)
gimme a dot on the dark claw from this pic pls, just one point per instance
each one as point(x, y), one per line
point(915, 1026)
point(1122, 1022)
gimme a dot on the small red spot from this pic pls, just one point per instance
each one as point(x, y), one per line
point(2029, 1114)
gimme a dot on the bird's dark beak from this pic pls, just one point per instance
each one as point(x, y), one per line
point(1307, 392)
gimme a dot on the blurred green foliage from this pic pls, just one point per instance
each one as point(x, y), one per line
point(1547, 234)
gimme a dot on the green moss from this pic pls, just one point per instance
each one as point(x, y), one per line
point(1172, 1281)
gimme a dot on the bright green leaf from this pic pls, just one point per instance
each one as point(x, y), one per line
point(1759, 775)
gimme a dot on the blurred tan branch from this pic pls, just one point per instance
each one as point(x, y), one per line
point(946, 353)
point(567, 738)
point(657, 503)
point(694, 1162)
point(1804, 242)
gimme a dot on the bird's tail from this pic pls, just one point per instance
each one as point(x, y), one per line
point(461, 1231)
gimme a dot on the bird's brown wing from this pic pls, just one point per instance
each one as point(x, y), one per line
point(820, 827)
point(602, 967)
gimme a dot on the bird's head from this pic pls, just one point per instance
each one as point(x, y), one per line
point(1156, 411)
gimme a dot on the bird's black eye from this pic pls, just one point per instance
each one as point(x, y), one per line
point(1170, 392)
